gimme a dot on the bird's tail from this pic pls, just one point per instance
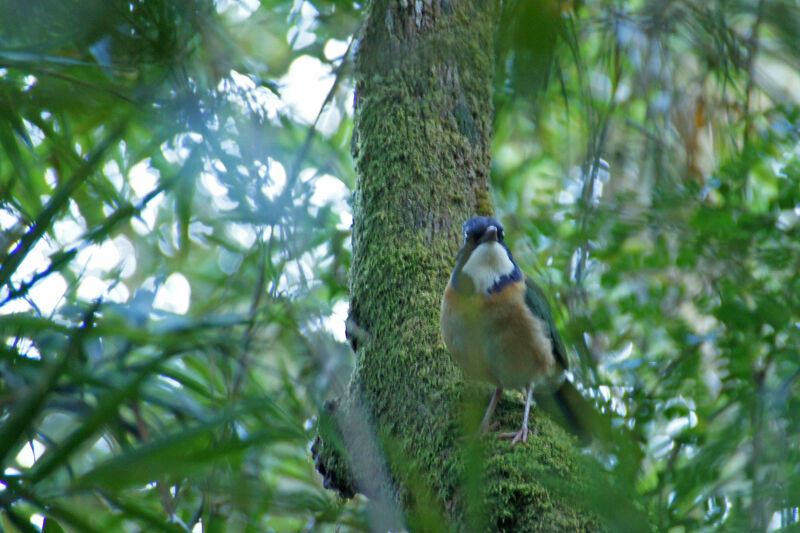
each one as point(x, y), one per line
point(568, 407)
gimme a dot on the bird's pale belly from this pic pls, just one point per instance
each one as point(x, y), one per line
point(495, 338)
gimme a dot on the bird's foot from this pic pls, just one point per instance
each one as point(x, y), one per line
point(521, 435)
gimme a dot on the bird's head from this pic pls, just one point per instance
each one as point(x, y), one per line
point(484, 263)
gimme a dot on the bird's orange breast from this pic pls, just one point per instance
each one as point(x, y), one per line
point(496, 338)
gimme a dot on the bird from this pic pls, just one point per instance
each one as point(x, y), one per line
point(499, 328)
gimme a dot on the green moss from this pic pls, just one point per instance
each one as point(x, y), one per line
point(484, 205)
point(423, 123)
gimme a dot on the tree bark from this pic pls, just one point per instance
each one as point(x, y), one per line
point(406, 426)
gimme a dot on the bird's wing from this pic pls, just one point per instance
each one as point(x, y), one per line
point(537, 303)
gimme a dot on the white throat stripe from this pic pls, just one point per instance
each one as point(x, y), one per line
point(488, 263)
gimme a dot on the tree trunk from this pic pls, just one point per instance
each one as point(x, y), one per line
point(407, 422)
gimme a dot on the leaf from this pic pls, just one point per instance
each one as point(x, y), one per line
point(183, 453)
point(57, 457)
point(51, 526)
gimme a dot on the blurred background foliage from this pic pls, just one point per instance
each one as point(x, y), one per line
point(174, 202)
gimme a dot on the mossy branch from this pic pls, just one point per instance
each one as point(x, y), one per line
point(404, 432)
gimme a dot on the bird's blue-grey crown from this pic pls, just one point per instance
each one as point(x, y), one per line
point(475, 227)
point(493, 268)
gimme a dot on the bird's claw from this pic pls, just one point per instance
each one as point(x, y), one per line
point(521, 435)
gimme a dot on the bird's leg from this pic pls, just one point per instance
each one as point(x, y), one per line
point(490, 410)
point(522, 434)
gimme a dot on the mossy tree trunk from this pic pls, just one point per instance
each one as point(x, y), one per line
point(422, 149)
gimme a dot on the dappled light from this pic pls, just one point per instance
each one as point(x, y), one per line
point(178, 197)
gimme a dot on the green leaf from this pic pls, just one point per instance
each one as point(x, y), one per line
point(51, 526)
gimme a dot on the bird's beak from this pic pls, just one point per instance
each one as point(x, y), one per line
point(489, 235)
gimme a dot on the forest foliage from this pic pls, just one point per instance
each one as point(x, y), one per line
point(175, 183)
